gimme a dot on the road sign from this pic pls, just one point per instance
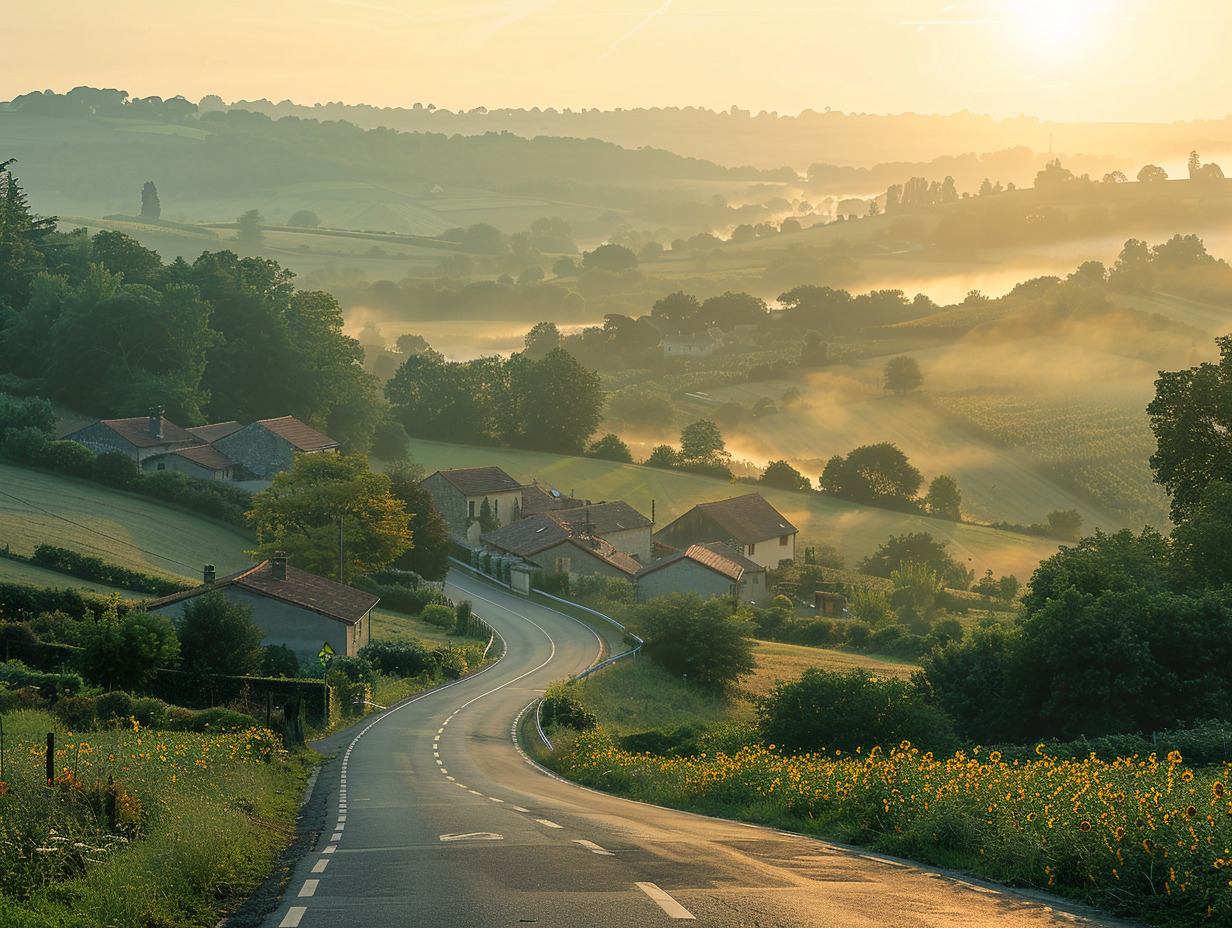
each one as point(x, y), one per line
point(325, 655)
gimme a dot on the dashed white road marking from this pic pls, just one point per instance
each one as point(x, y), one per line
point(309, 888)
point(593, 848)
point(337, 836)
point(474, 836)
point(294, 914)
point(330, 849)
point(519, 809)
point(544, 821)
point(320, 866)
point(494, 799)
point(669, 905)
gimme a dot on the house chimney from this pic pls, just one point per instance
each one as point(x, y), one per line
point(156, 421)
point(279, 565)
point(210, 574)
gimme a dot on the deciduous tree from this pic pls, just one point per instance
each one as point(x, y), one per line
point(304, 508)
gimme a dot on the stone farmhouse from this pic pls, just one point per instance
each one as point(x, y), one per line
point(714, 569)
point(268, 446)
point(748, 524)
point(552, 546)
point(460, 494)
point(295, 608)
point(221, 451)
point(142, 438)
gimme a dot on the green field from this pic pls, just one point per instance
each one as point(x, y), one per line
point(856, 531)
point(38, 507)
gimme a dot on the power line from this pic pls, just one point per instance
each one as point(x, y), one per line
point(93, 531)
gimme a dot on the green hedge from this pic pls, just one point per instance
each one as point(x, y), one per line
point(87, 567)
point(20, 601)
point(199, 691)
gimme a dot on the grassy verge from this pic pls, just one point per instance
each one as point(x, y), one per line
point(140, 827)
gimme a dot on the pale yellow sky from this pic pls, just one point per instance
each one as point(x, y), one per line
point(1057, 59)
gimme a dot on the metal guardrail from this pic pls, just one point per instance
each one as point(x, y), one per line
point(539, 723)
point(606, 618)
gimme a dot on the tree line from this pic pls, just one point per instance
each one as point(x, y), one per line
point(102, 325)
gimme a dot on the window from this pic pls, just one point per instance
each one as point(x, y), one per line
point(496, 509)
point(162, 466)
point(752, 550)
point(470, 509)
point(783, 540)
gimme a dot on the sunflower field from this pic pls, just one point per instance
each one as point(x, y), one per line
point(1145, 836)
point(138, 827)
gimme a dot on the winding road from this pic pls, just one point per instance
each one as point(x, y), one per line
point(436, 818)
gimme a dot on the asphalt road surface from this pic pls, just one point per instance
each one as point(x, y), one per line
point(436, 818)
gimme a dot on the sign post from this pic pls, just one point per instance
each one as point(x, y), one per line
point(326, 657)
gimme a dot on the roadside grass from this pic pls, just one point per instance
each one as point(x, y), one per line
point(636, 695)
point(123, 529)
point(141, 828)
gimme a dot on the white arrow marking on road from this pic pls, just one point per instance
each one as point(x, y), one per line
point(669, 905)
point(474, 836)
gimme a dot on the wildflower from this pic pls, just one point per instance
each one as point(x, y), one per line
point(1174, 757)
point(1187, 775)
point(1217, 789)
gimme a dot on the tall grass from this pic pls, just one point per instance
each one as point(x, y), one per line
point(139, 827)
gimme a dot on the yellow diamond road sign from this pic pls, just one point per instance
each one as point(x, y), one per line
point(325, 655)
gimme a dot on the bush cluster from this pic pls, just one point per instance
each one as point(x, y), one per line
point(86, 567)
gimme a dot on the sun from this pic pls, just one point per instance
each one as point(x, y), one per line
point(1053, 23)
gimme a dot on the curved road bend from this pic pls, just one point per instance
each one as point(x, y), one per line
point(440, 821)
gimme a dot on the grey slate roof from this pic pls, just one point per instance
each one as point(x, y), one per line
point(748, 518)
point(214, 430)
point(528, 536)
point(605, 518)
point(476, 481)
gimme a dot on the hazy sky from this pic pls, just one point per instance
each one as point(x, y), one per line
point(1156, 60)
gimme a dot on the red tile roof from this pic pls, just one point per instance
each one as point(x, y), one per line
point(206, 456)
point(300, 588)
point(717, 556)
point(136, 431)
point(300, 436)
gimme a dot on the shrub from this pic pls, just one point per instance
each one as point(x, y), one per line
point(702, 640)
point(848, 711)
point(25, 445)
point(439, 615)
point(114, 706)
point(203, 497)
point(67, 457)
point(566, 711)
point(115, 469)
point(278, 660)
point(150, 712)
point(218, 718)
point(398, 658)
